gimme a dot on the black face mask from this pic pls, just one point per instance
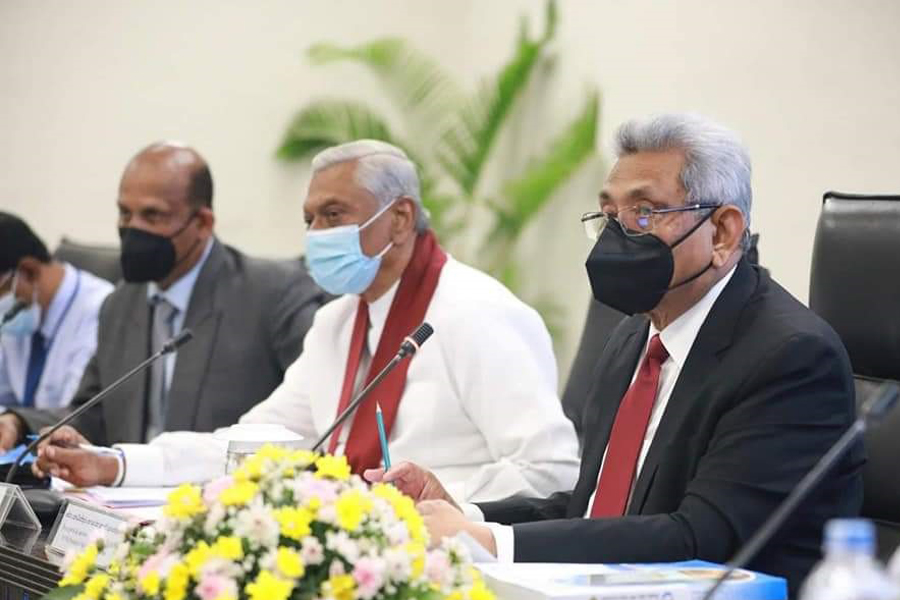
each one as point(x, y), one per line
point(632, 273)
point(147, 256)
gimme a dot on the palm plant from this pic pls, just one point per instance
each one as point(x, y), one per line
point(452, 136)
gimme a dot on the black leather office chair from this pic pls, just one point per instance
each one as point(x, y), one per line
point(102, 261)
point(855, 286)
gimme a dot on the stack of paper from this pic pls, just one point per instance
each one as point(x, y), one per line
point(674, 581)
point(129, 497)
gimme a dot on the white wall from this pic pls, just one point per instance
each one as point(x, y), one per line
point(813, 86)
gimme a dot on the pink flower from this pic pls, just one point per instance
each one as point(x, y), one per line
point(215, 487)
point(369, 576)
point(153, 563)
point(215, 586)
point(438, 568)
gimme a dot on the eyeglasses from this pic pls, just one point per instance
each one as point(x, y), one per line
point(635, 220)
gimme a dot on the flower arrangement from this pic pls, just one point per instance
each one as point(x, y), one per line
point(286, 525)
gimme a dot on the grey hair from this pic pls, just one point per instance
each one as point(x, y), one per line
point(716, 167)
point(383, 169)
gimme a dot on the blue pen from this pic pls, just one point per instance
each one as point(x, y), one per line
point(381, 436)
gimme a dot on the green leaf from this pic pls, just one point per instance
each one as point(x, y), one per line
point(464, 148)
point(527, 195)
point(64, 593)
point(324, 123)
point(414, 80)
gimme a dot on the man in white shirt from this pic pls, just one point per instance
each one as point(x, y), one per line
point(478, 402)
point(709, 404)
point(50, 333)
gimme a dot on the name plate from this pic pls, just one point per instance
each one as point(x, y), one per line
point(14, 508)
point(81, 523)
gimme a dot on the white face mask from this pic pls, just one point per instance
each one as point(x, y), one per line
point(27, 321)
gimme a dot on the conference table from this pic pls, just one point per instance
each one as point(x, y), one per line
point(27, 569)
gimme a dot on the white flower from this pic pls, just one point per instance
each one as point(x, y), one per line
point(343, 544)
point(214, 518)
point(312, 551)
point(397, 565)
point(397, 534)
point(257, 525)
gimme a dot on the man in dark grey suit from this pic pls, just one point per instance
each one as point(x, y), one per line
point(248, 316)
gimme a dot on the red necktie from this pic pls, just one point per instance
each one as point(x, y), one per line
point(357, 343)
point(627, 435)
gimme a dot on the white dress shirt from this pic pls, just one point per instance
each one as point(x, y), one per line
point(677, 338)
point(69, 328)
point(479, 408)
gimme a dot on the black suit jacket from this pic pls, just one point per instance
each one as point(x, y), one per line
point(764, 392)
point(249, 317)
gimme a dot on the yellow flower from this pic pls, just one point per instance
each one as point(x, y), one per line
point(95, 586)
point(294, 522)
point(114, 596)
point(417, 552)
point(225, 596)
point(340, 587)
point(273, 452)
point(150, 583)
point(335, 467)
point(185, 502)
point(80, 566)
point(289, 563)
point(252, 468)
point(228, 547)
point(478, 591)
point(197, 557)
point(267, 586)
point(351, 508)
point(303, 458)
point(405, 509)
point(455, 595)
point(239, 494)
point(177, 583)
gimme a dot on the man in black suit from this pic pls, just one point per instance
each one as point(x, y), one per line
point(248, 316)
point(708, 405)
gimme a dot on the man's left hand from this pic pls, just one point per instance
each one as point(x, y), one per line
point(444, 520)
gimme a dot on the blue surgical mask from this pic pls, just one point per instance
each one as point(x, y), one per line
point(336, 261)
point(27, 321)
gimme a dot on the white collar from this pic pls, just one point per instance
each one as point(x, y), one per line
point(678, 337)
point(179, 293)
point(378, 314)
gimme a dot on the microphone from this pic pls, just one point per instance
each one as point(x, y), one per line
point(410, 346)
point(879, 404)
point(170, 346)
point(9, 315)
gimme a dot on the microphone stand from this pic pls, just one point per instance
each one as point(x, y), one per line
point(173, 344)
point(409, 347)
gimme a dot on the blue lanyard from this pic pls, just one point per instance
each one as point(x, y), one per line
point(65, 313)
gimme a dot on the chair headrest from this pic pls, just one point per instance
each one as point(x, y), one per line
point(855, 279)
point(102, 261)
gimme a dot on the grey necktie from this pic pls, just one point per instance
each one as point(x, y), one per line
point(161, 330)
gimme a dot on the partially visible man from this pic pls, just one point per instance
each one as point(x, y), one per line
point(477, 403)
point(49, 309)
point(709, 404)
point(248, 316)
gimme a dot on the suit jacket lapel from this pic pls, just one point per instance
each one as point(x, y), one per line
point(192, 361)
point(614, 373)
point(129, 404)
point(714, 336)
